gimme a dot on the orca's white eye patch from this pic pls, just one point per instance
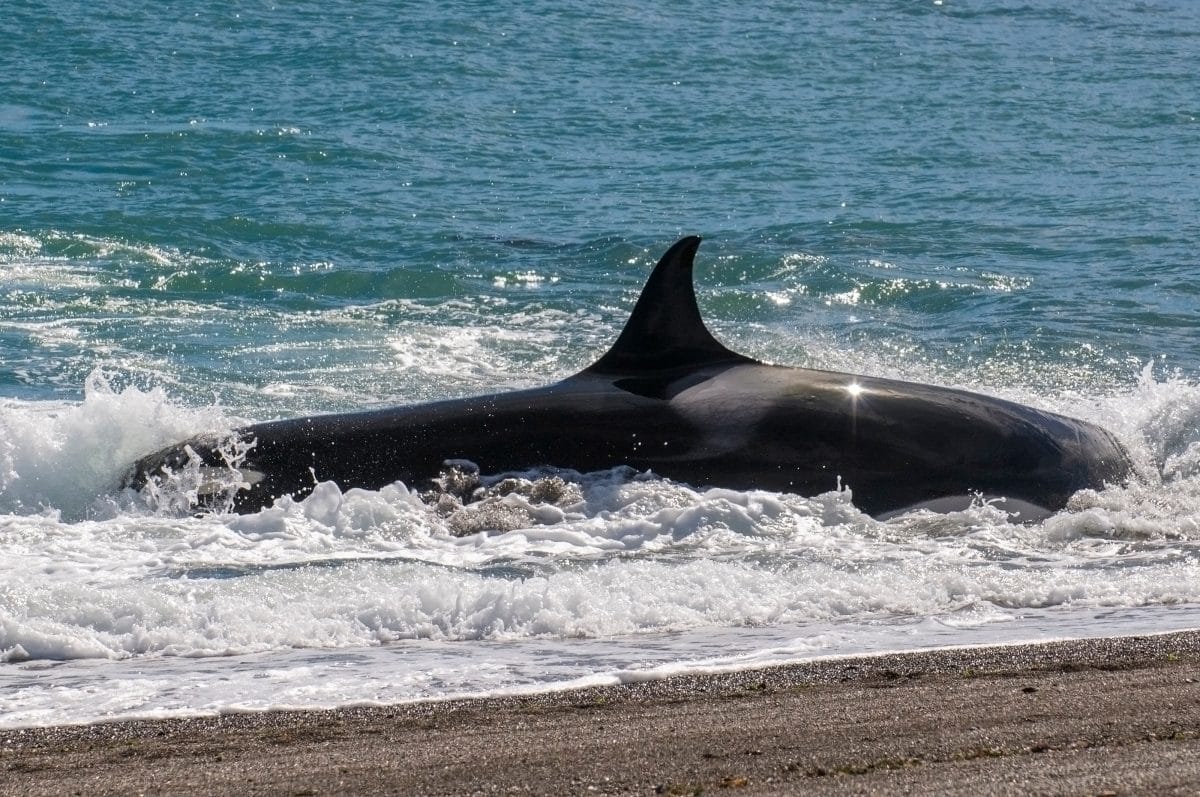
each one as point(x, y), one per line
point(216, 480)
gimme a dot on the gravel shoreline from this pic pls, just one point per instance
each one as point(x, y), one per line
point(1099, 716)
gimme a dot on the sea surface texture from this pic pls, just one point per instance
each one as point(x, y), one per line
point(213, 214)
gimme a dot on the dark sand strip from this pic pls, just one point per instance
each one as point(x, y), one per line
point(1107, 716)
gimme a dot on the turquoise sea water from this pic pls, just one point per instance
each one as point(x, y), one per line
point(213, 213)
point(976, 185)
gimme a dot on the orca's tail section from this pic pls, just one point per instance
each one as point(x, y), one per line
point(665, 330)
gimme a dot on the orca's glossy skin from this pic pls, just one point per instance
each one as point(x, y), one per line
point(669, 398)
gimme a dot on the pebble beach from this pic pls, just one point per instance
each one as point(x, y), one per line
point(1100, 716)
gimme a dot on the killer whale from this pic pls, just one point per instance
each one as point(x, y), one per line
point(668, 397)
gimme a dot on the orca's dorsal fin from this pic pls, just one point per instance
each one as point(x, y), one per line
point(665, 331)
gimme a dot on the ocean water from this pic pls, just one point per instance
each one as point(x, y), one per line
point(216, 215)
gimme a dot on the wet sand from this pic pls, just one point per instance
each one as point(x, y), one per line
point(1108, 716)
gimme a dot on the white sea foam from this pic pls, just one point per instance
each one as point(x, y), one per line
point(89, 572)
point(41, 693)
point(69, 458)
